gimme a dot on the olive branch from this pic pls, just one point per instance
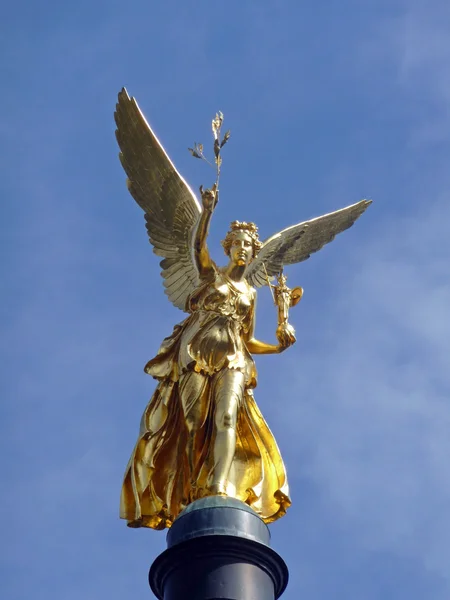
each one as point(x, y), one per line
point(219, 143)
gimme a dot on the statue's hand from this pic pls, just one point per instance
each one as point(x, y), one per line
point(210, 197)
point(286, 336)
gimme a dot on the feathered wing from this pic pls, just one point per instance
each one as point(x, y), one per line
point(171, 209)
point(297, 243)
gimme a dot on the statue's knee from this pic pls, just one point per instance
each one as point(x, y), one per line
point(226, 421)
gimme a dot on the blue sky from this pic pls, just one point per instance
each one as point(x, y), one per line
point(328, 103)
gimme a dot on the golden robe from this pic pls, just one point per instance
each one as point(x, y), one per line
point(157, 484)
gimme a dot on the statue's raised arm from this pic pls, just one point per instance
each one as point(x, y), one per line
point(201, 253)
point(171, 209)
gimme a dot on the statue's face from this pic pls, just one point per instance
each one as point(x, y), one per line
point(241, 251)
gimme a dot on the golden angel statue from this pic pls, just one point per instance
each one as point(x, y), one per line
point(202, 432)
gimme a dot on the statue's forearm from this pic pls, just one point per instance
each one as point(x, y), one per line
point(257, 347)
point(201, 251)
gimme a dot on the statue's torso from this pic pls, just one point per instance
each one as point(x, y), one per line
point(224, 297)
point(222, 314)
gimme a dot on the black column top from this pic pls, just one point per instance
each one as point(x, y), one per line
point(218, 548)
point(218, 515)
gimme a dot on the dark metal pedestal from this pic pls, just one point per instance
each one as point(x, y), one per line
point(218, 548)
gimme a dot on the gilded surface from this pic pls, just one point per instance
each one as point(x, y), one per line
point(202, 432)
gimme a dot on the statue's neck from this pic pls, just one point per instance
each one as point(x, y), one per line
point(235, 272)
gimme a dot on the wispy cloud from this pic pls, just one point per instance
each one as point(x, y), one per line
point(412, 45)
point(371, 405)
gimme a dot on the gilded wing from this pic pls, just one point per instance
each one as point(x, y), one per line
point(297, 243)
point(171, 208)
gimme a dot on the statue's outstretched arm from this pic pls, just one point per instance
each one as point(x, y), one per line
point(201, 253)
point(255, 346)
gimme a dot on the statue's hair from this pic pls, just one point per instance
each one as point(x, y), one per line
point(249, 228)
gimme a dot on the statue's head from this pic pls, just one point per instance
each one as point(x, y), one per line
point(242, 243)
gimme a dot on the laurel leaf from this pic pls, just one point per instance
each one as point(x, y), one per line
point(226, 137)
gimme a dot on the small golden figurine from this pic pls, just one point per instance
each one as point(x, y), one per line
point(284, 298)
point(202, 432)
